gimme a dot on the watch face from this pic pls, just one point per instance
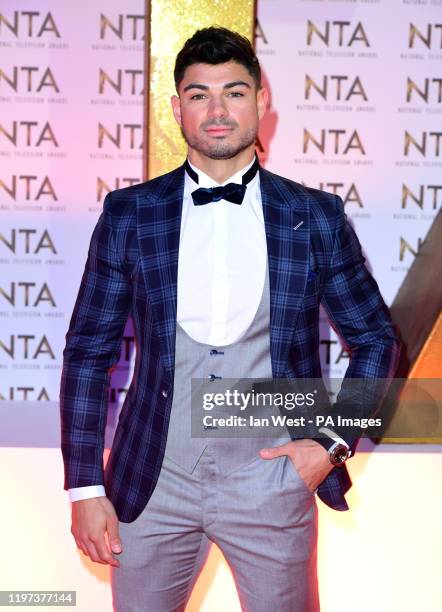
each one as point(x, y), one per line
point(339, 454)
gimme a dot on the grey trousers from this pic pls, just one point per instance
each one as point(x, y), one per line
point(262, 517)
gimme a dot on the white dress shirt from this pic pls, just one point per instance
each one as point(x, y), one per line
point(221, 269)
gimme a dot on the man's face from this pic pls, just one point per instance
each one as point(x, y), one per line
point(219, 108)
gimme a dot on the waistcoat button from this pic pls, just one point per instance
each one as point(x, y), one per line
point(214, 377)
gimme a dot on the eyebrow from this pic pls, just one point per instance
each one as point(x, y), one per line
point(206, 87)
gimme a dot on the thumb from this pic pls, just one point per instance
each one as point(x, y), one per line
point(113, 535)
point(274, 451)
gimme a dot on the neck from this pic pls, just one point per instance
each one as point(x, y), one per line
point(221, 169)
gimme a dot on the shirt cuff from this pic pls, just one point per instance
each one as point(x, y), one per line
point(86, 492)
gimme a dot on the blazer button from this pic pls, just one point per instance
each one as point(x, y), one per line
point(164, 393)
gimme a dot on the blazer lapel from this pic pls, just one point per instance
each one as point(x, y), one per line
point(159, 225)
point(286, 217)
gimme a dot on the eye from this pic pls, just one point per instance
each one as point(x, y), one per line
point(198, 97)
point(236, 94)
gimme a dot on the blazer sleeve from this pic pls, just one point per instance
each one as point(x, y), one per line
point(360, 317)
point(93, 344)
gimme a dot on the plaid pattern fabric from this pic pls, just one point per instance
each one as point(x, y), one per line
point(131, 269)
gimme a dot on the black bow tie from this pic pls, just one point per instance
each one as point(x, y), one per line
point(232, 192)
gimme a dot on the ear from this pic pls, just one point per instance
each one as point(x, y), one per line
point(262, 99)
point(176, 108)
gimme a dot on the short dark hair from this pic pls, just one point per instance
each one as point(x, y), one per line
point(216, 45)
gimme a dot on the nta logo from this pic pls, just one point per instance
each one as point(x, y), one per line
point(28, 241)
point(330, 141)
point(129, 135)
point(25, 293)
point(127, 81)
point(431, 88)
point(335, 86)
point(431, 38)
point(28, 133)
point(30, 24)
point(30, 78)
point(29, 187)
point(427, 196)
point(429, 143)
point(341, 33)
point(124, 27)
point(25, 393)
point(27, 346)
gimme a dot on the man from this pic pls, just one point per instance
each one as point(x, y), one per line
point(222, 266)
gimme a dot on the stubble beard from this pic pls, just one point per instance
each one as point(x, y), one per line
point(219, 149)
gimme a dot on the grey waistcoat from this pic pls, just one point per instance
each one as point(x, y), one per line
point(248, 357)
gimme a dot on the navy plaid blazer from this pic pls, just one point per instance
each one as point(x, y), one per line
point(131, 269)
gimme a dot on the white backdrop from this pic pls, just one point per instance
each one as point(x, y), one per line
point(356, 103)
point(353, 111)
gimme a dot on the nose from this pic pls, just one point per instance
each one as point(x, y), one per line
point(217, 107)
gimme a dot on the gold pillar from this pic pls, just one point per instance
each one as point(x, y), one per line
point(171, 23)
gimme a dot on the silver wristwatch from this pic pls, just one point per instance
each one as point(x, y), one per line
point(339, 451)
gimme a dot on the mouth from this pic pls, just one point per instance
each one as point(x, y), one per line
point(218, 130)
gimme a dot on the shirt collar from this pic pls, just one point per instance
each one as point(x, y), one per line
point(206, 181)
